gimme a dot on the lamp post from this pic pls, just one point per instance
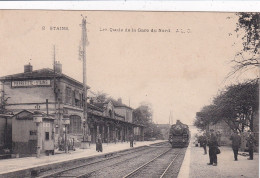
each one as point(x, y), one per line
point(38, 120)
point(66, 122)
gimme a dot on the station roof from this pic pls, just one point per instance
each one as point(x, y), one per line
point(118, 104)
point(95, 107)
point(42, 114)
point(39, 74)
point(119, 121)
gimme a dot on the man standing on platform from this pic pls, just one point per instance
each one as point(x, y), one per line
point(99, 143)
point(131, 139)
point(213, 145)
point(236, 142)
point(251, 143)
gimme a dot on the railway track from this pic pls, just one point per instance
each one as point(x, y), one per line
point(87, 169)
point(158, 166)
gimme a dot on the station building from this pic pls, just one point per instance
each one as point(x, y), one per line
point(57, 95)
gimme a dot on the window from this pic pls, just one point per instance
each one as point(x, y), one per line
point(73, 98)
point(82, 100)
point(47, 136)
point(127, 115)
point(68, 95)
point(110, 114)
point(33, 132)
point(75, 125)
point(77, 98)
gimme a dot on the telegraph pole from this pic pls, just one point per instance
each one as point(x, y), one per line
point(56, 91)
point(54, 78)
point(84, 43)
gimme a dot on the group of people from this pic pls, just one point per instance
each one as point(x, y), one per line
point(213, 143)
point(99, 147)
point(236, 143)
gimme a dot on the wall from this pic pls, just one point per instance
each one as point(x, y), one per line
point(120, 118)
point(3, 131)
point(21, 130)
point(30, 98)
point(29, 94)
point(128, 113)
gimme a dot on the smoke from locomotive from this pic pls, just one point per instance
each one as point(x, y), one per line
point(179, 135)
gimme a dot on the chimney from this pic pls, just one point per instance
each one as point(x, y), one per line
point(58, 67)
point(28, 68)
point(120, 100)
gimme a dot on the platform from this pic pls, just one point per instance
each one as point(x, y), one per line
point(29, 163)
point(195, 164)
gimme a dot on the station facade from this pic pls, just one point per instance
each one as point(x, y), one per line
point(59, 96)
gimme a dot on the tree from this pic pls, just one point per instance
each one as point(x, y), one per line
point(206, 116)
point(101, 96)
point(3, 103)
point(249, 57)
point(143, 115)
point(237, 106)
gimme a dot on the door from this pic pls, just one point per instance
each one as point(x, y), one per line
point(32, 144)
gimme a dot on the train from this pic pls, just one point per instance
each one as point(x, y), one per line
point(179, 135)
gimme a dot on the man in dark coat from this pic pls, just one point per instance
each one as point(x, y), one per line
point(99, 143)
point(236, 142)
point(213, 145)
point(131, 139)
point(251, 143)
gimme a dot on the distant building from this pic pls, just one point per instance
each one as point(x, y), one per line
point(223, 132)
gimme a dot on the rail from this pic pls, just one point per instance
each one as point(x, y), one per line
point(169, 165)
point(109, 157)
point(144, 165)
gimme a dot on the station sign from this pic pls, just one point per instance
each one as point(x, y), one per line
point(30, 83)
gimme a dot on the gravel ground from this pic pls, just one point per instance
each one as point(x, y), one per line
point(123, 168)
point(155, 169)
point(118, 159)
point(94, 165)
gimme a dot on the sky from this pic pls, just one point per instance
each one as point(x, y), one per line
point(179, 70)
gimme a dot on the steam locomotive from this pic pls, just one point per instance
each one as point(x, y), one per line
point(179, 135)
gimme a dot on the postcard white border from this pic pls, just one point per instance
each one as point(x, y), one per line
point(215, 6)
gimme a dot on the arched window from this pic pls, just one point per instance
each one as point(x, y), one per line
point(75, 125)
point(110, 114)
